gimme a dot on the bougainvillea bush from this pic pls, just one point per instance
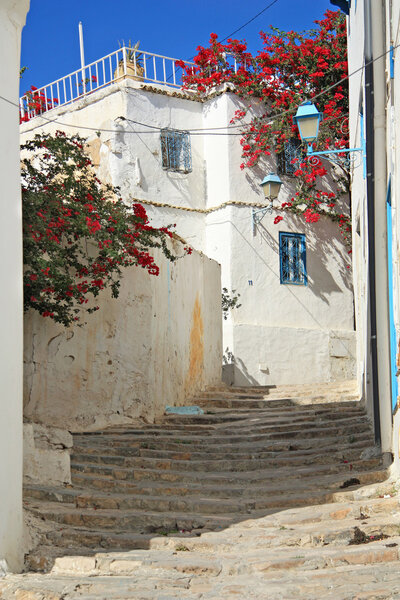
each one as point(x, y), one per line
point(291, 68)
point(78, 234)
point(35, 104)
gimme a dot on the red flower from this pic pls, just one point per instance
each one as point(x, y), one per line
point(278, 219)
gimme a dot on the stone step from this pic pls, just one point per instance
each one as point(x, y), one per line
point(267, 495)
point(220, 416)
point(113, 456)
point(212, 487)
point(334, 528)
point(344, 431)
point(287, 496)
point(307, 393)
point(275, 468)
point(250, 402)
point(260, 426)
point(162, 503)
point(336, 386)
point(194, 501)
point(262, 563)
point(375, 581)
point(310, 526)
point(128, 520)
point(127, 448)
point(255, 423)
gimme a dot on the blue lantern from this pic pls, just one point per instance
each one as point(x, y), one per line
point(271, 185)
point(307, 120)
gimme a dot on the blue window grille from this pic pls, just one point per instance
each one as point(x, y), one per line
point(175, 151)
point(292, 151)
point(292, 255)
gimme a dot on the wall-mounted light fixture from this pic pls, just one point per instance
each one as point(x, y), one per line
point(271, 184)
point(307, 120)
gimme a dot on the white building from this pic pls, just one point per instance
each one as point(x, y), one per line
point(373, 39)
point(172, 152)
point(12, 19)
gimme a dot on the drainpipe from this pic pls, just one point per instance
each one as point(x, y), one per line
point(375, 88)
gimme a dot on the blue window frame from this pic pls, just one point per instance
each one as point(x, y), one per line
point(175, 151)
point(292, 150)
point(292, 256)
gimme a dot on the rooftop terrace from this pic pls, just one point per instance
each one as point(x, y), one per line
point(124, 62)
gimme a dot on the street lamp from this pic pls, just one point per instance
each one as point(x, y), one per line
point(271, 184)
point(307, 119)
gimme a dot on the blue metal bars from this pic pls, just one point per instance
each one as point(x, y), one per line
point(292, 255)
point(175, 151)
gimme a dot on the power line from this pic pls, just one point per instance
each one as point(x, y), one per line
point(250, 21)
point(244, 25)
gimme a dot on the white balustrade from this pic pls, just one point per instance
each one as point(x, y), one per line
point(145, 66)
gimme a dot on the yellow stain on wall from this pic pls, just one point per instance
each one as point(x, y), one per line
point(93, 148)
point(196, 357)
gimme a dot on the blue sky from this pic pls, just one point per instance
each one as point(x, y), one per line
point(50, 42)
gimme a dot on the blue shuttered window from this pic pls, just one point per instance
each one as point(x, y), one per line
point(175, 151)
point(292, 255)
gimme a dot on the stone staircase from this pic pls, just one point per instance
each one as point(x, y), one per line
point(270, 487)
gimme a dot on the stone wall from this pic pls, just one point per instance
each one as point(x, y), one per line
point(156, 345)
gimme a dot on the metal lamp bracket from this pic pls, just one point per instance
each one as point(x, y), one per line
point(258, 215)
point(353, 156)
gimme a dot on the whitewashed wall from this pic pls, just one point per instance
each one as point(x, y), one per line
point(315, 322)
point(359, 206)
point(386, 131)
point(281, 333)
point(133, 160)
point(158, 344)
point(12, 19)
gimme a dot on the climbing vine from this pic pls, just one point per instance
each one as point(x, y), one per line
point(291, 67)
point(78, 234)
point(230, 300)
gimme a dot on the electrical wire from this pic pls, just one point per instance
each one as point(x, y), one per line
point(242, 26)
point(250, 21)
point(207, 131)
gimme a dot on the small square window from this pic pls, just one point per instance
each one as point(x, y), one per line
point(292, 151)
point(175, 151)
point(292, 256)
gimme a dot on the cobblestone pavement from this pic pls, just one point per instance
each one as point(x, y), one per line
point(270, 494)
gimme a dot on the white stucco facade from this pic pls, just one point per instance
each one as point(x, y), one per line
point(12, 19)
point(373, 27)
point(281, 333)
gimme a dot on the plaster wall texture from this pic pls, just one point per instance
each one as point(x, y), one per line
point(46, 455)
point(386, 128)
point(156, 345)
point(12, 19)
point(133, 161)
point(275, 321)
